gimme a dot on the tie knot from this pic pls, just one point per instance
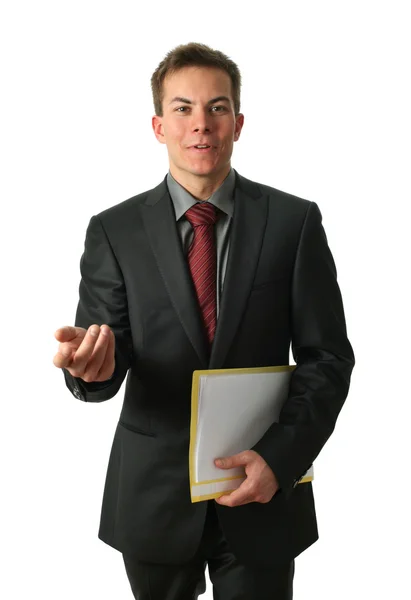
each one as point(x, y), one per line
point(202, 213)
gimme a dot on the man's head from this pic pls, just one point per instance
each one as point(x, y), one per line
point(194, 55)
point(196, 93)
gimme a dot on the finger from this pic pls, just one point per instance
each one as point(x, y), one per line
point(95, 364)
point(68, 333)
point(84, 351)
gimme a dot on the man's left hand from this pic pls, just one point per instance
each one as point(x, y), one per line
point(261, 483)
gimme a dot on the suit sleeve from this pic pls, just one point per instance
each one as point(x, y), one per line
point(102, 299)
point(323, 355)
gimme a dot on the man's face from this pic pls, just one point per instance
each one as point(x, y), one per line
point(198, 109)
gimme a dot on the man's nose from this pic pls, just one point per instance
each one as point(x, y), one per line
point(201, 123)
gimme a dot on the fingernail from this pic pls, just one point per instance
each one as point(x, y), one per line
point(93, 331)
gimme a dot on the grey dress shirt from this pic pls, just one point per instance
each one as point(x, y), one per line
point(223, 199)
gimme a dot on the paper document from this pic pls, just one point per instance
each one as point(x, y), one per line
point(231, 409)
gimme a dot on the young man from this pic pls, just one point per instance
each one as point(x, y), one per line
point(207, 270)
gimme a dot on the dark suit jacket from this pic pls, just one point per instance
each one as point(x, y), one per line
point(280, 287)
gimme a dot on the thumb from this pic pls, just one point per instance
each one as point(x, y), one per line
point(66, 334)
point(228, 462)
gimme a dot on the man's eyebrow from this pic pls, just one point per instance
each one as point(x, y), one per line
point(180, 99)
point(212, 101)
point(219, 99)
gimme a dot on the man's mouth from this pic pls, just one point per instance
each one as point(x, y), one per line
point(201, 148)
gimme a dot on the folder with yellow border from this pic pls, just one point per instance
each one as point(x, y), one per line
point(231, 409)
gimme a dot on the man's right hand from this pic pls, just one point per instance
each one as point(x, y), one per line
point(88, 354)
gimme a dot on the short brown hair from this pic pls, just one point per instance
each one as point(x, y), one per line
point(194, 55)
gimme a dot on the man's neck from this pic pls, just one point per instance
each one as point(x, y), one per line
point(199, 187)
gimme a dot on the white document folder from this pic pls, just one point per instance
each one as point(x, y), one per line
point(231, 409)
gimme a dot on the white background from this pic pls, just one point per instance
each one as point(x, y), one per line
point(327, 118)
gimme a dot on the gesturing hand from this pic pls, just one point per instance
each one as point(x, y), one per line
point(261, 483)
point(88, 354)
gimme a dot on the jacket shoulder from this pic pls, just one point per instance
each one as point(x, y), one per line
point(285, 196)
point(274, 195)
point(126, 207)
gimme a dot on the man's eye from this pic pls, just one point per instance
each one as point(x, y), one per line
point(218, 108)
point(181, 108)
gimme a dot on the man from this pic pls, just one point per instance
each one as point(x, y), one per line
point(207, 270)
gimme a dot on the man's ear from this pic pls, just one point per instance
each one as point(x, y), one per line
point(157, 125)
point(239, 122)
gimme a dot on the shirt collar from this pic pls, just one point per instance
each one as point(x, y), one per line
point(222, 198)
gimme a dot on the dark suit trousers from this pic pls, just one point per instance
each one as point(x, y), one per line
point(231, 580)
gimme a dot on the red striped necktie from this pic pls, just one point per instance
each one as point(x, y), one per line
point(203, 263)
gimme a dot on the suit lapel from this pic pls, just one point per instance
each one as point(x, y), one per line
point(247, 232)
point(161, 227)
